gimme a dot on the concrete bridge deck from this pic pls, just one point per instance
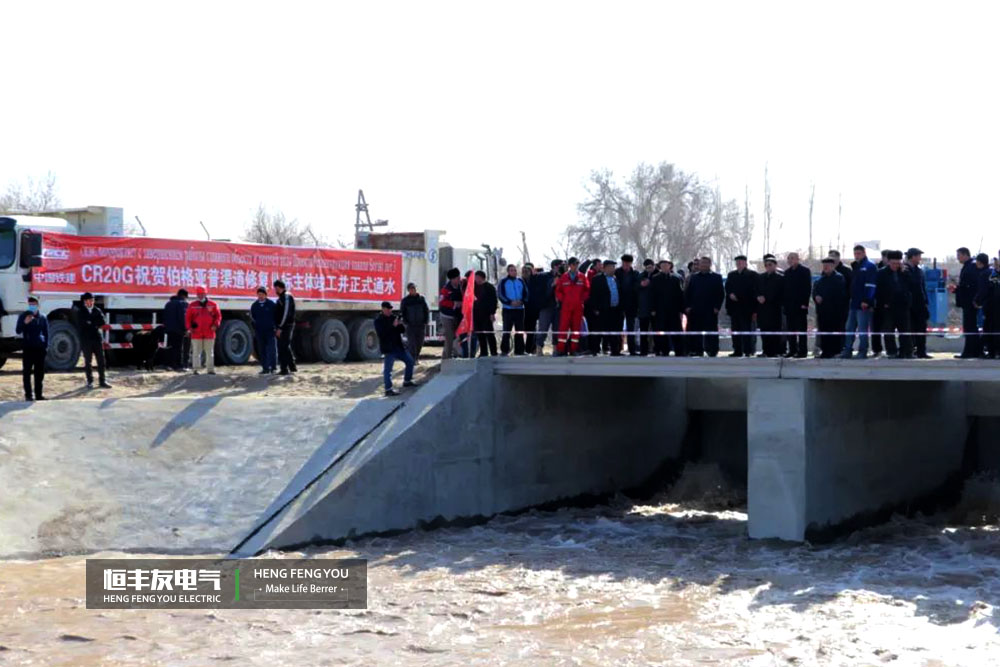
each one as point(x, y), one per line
point(940, 369)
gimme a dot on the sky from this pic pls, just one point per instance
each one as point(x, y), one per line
point(486, 119)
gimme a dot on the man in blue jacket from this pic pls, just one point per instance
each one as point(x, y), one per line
point(513, 293)
point(33, 328)
point(859, 317)
point(262, 314)
point(703, 299)
point(965, 294)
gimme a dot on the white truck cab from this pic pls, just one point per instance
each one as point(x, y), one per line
point(21, 250)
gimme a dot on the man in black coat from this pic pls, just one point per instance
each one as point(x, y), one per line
point(798, 290)
point(628, 279)
point(484, 314)
point(741, 304)
point(831, 309)
point(284, 327)
point(991, 309)
point(919, 311)
point(541, 291)
point(892, 300)
point(668, 306)
point(965, 293)
point(645, 306)
point(606, 307)
point(843, 270)
point(174, 318)
point(982, 300)
point(415, 315)
point(531, 308)
point(89, 324)
point(877, 339)
point(770, 299)
point(703, 300)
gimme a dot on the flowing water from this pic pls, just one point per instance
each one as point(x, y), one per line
point(658, 583)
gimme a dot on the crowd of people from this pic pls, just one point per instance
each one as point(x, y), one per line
point(599, 307)
point(190, 328)
point(591, 307)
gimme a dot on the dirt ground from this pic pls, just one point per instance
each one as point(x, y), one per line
point(345, 380)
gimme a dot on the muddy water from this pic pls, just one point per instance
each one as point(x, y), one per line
point(621, 584)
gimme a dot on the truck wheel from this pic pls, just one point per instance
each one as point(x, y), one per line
point(364, 340)
point(233, 342)
point(64, 346)
point(332, 341)
point(303, 344)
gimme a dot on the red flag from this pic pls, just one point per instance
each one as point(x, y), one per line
point(465, 326)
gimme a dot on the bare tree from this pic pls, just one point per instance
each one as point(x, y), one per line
point(812, 199)
point(767, 212)
point(273, 228)
point(657, 211)
point(30, 196)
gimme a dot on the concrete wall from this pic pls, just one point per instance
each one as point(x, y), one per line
point(471, 444)
point(822, 452)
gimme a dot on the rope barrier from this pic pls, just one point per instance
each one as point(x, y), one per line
point(728, 333)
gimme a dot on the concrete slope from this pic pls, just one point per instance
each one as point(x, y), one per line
point(470, 443)
point(164, 475)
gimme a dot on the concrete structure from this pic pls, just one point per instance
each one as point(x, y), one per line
point(820, 445)
point(163, 475)
point(494, 435)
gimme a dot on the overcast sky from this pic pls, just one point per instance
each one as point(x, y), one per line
point(485, 121)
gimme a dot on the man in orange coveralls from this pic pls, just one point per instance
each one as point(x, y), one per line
point(572, 289)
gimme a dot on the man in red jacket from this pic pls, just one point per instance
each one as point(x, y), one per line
point(572, 290)
point(203, 318)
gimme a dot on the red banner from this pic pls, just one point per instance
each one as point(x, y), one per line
point(159, 267)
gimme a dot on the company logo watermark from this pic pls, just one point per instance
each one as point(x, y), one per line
point(254, 583)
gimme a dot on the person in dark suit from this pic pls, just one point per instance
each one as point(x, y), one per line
point(965, 292)
point(797, 294)
point(919, 311)
point(484, 314)
point(668, 307)
point(892, 300)
point(606, 307)
point(703, 300)
point(741, 304)
point(831, 302)
point(770, 300)
point(89, 324)
point(174, 318)
point(628, 280)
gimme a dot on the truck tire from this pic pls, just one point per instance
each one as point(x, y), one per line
point(64, 346)
point(303, 346)
point(331, 340)
point(233, 342)
point(364, 340)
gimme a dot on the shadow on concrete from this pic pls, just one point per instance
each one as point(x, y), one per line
point(186, 418)
point(13, 406)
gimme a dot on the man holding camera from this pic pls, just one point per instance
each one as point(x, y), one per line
point(389, 327)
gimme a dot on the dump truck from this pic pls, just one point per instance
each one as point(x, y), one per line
point(57, 255)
